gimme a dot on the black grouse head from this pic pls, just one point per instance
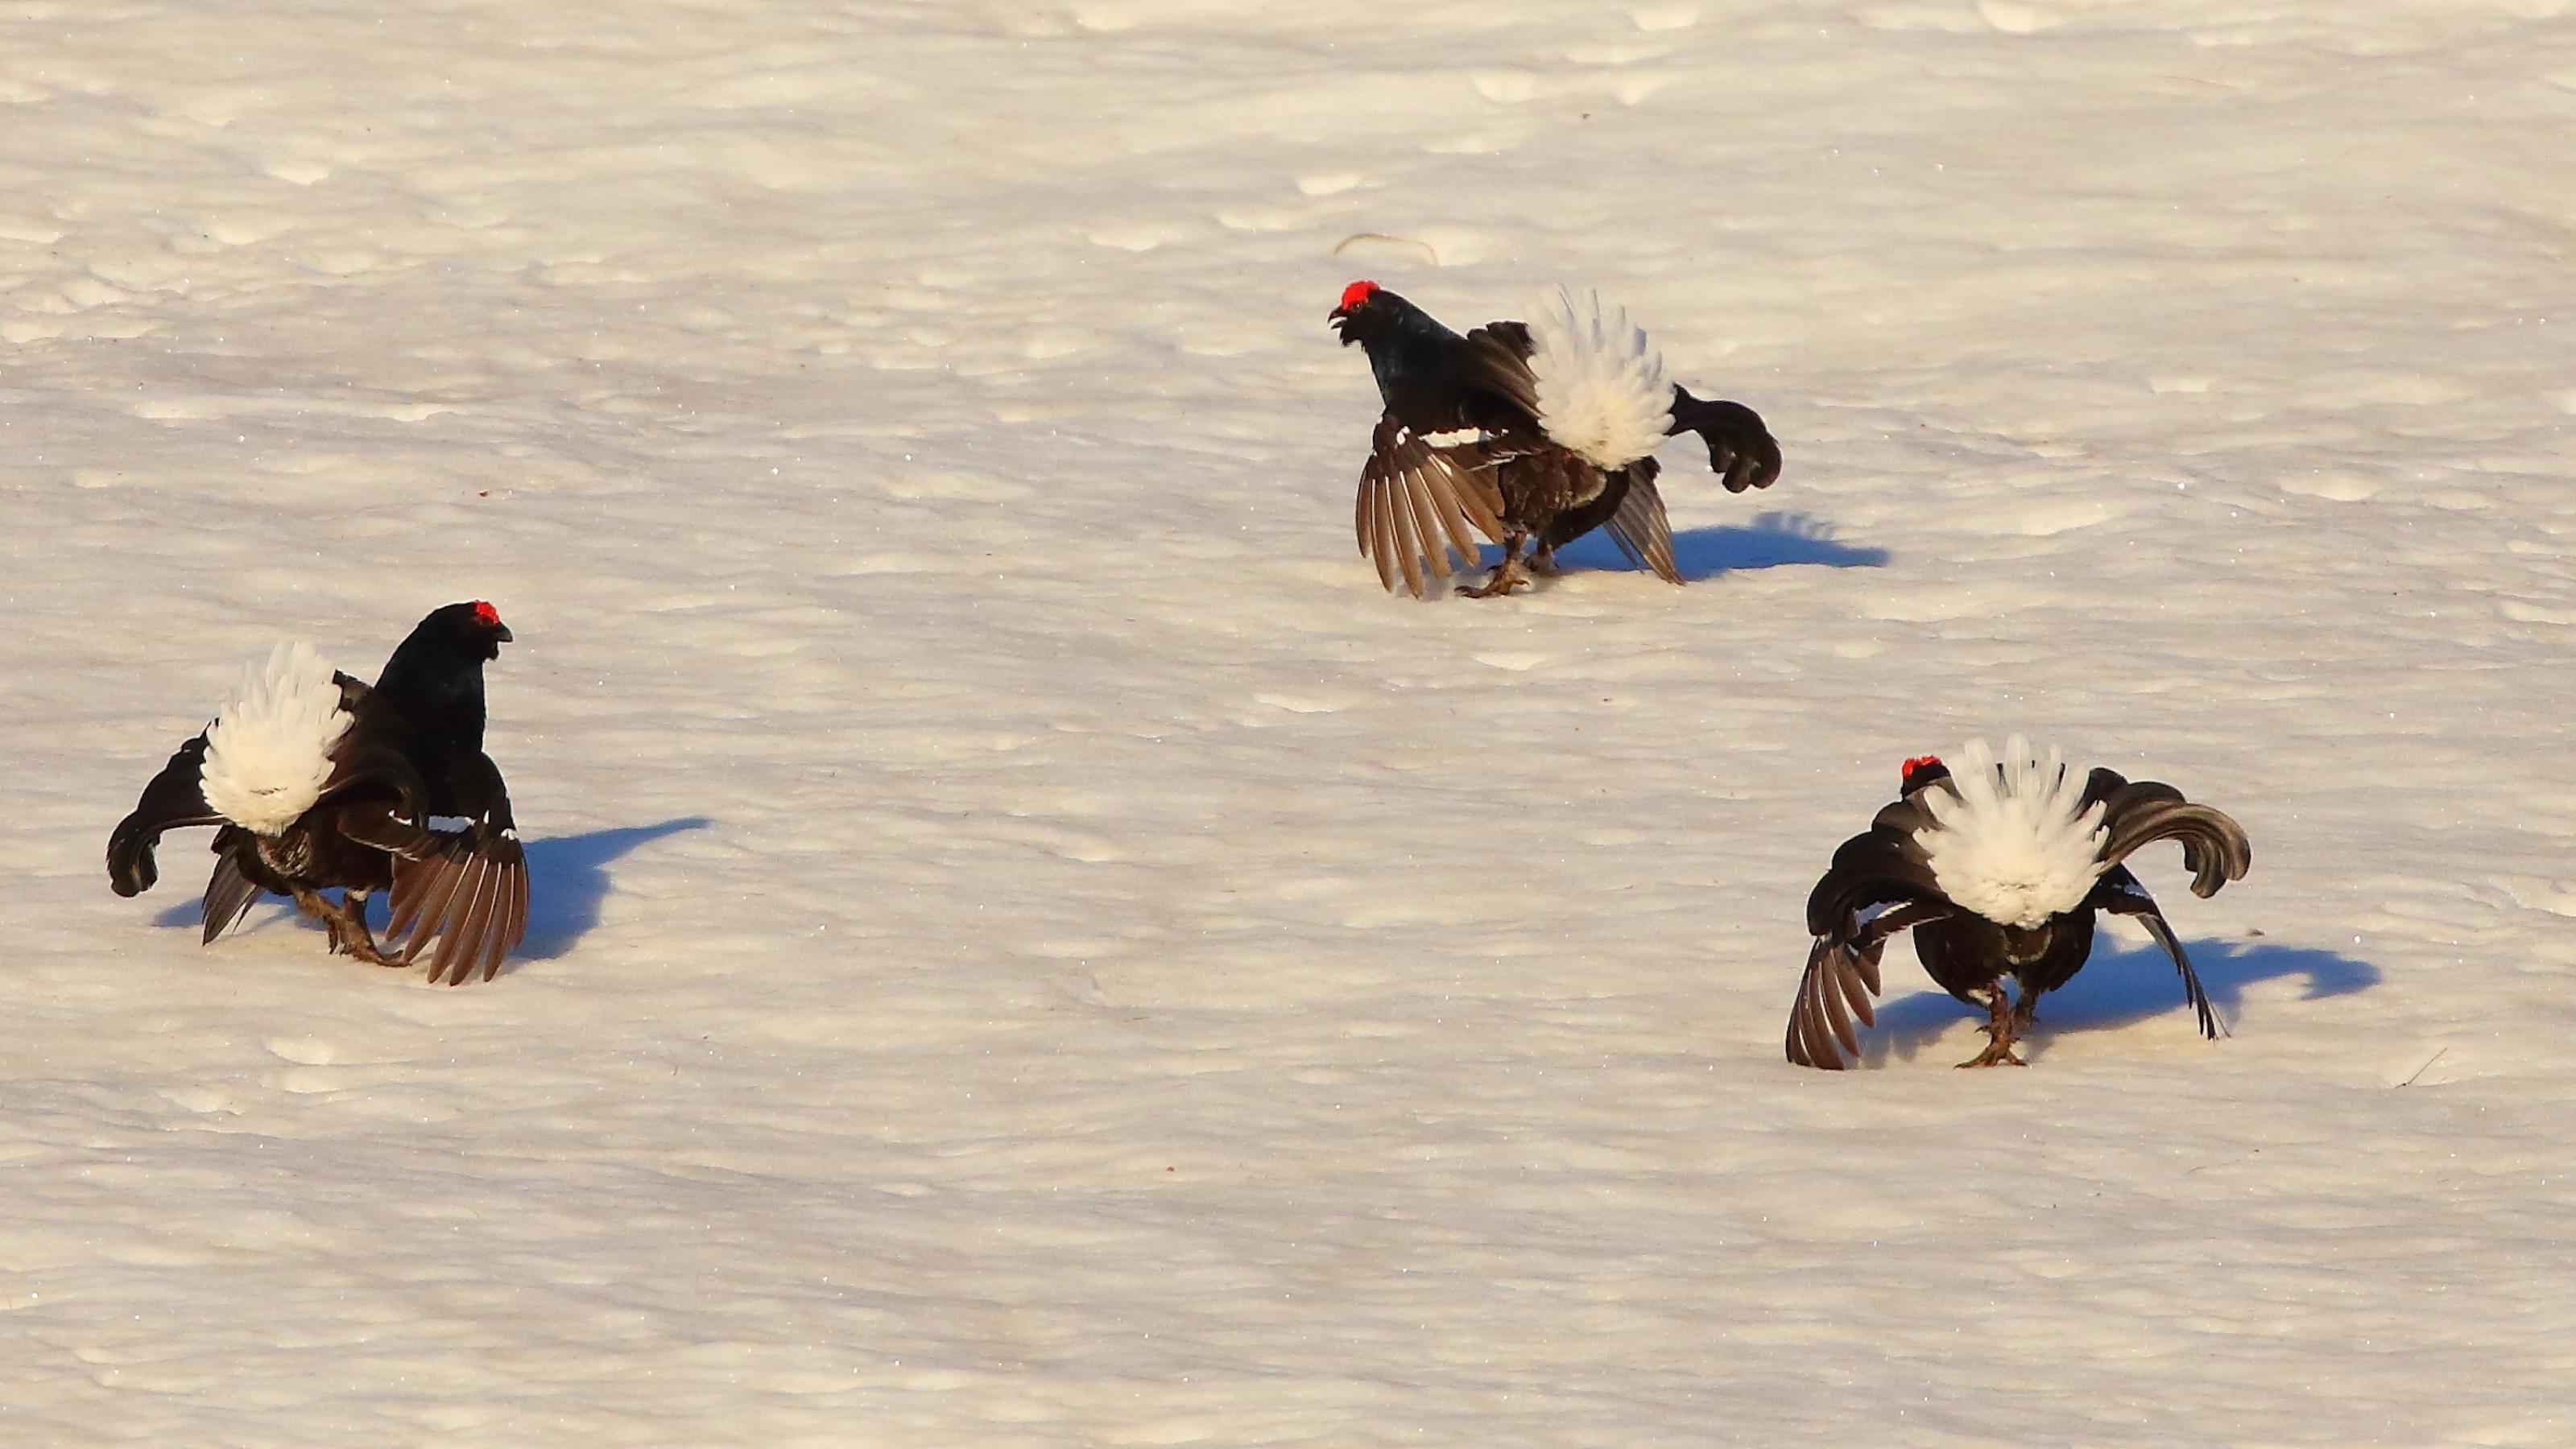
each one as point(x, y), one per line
point(1366, 310)
point(472, 630)
point(436, 675)
point(443, 656)
point(1920, 771)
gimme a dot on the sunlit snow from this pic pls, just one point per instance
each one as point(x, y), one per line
point(1033, 946)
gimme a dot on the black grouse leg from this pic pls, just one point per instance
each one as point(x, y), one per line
point(1507, 575)
point(349, 931)
point(2002, 1016)
point(310, 902)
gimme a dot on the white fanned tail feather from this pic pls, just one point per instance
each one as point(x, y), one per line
point(268, 754)
point(2015, 844)
point(1600, 384)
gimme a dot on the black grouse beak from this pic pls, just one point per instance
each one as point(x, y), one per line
point(501, 634)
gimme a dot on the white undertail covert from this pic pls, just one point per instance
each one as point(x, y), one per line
point(1600, 384)
point(268, 754)
point(2015, 842)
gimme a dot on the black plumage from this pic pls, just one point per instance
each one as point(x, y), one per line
point(1883, 881)
point(410, 758)
point(1460, 455)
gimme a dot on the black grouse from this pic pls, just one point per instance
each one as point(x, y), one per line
point(315, 781)
point(1999, 871)
point(1531, 434)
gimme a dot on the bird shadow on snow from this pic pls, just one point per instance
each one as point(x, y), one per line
point(568, 879)
point(1769, 541)
point(2115, 989)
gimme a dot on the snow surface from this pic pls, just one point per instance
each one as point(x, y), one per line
point(1033, 946)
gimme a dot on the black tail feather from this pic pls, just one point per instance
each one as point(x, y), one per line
point(173, 801)
point(2136, 815)
point(1741, 451)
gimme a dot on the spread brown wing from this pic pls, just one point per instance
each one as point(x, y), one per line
point(466, 904)
point(1880, 867)
point(1417, 506)
point(1840, 986)
point(460, 896)
point(1639, 526)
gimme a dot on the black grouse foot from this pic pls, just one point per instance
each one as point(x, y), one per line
point(1998, 1053)
point(349, 932)
point(2002, 1019)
